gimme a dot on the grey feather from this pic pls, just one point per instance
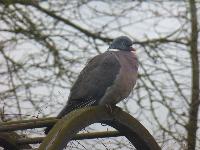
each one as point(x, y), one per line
point(107, 78)
point(122, 43)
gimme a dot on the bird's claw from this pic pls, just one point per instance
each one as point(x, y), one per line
point(109, 108)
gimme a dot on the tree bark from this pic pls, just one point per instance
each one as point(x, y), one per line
point(194, 105)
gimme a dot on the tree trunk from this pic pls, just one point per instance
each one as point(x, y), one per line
point(194, 105)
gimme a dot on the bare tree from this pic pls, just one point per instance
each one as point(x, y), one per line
point(43, 46)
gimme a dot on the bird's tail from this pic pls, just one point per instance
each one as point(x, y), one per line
point(64, 111)
point(70, 107)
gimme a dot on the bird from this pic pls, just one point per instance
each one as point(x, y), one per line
point(107, 78)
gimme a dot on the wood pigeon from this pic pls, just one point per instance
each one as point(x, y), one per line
point(107, 79)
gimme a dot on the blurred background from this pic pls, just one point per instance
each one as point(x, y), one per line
point(45, 44)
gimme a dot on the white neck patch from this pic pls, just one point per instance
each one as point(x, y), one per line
point(116, 50)
point(113, 50)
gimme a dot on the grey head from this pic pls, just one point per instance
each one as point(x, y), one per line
point(122, 43)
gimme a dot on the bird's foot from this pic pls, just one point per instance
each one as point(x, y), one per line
point(109, 108)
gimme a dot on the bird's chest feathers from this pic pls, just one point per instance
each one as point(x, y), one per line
point(124, 81)
point(128, 63)
point(127, 74)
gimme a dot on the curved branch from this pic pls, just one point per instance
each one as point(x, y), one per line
point(66, 128)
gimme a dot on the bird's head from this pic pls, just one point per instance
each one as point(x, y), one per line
point(122, 43)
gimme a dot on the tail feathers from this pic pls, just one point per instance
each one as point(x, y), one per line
point(67, 109)
point(64, 111)
point(75, 104)
point(46, 131)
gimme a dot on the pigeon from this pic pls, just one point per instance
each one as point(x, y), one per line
point(107, 79)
